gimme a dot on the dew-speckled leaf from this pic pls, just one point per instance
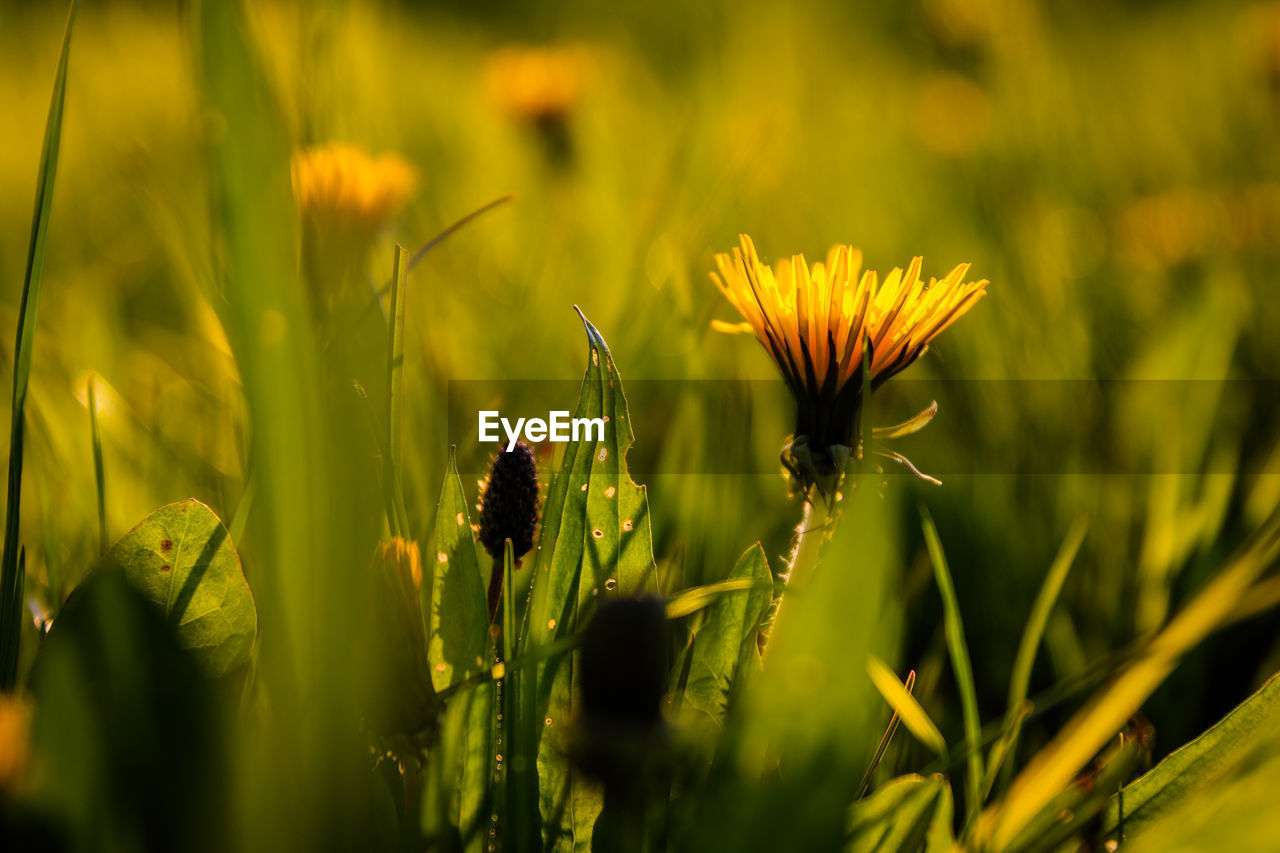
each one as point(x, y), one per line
point(181, 558)
point(1198, 764)
point(595, 542)
point(907, 813)
point(725, 645)
point(459, 614)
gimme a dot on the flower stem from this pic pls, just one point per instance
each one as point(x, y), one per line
point(812, 531)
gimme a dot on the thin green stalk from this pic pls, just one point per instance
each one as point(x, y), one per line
point(395, 382)
point(395, 356)
point(810, 534)
point(12, 567)
point(103, 540)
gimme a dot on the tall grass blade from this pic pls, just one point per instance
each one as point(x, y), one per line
point(1025, 658)
point(395, 357)
point(104, 541)
point(12, 571)
point(962, 667)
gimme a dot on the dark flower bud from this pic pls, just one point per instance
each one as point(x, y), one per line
point(620, 737)
point(624, 662)
point(509, 505)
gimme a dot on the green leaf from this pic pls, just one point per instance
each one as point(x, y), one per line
point(595, 542)
point(1197, 765)
point(1073, 811)
point(908, 813)
point(12, 574)
point(459, 616)
point(130, 735)
point(725, 645)
point(182, 560)
point(913, 716)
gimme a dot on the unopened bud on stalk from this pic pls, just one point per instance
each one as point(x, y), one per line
point(508, 510)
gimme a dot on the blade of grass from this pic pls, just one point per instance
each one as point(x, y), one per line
point(241, 518)
point(883, 746)
point(691, 600)
point(416, 257)
point(395, 387)
point(960, 664)
point(12, 568)
point(1025, 658)
point(395, 356)
point(905, 706)
point(103, 539)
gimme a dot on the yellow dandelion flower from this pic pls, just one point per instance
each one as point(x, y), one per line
point(815, 320)
point(535, 83)
point(343, 187)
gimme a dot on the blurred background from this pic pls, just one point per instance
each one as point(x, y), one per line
point(1109, 167)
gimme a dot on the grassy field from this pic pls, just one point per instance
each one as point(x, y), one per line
point(1090, 587)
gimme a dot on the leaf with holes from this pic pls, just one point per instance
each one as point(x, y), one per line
point(595, 543)
point(181, 558)
point(455, 600)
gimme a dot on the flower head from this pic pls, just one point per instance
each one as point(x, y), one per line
point(344, 188)
point(537, 84)
point(815, 322)
point(344, 196)
point(508, 510)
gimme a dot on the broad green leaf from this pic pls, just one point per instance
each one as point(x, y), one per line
point(595, 542)
point(458, 647)
point(1236, 813)
point(12, 572)
point(456, 604)
point(909, 813)
point(725, 645)
point(1192, 768)
point(182, 560)
point(905, 705)
point(464, 763)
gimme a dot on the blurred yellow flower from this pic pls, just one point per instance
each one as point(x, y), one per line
point(401, 559)
point(344, 197)
point(15, 730)
point(344, 188)
point(535, 83)
point(813, 321)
